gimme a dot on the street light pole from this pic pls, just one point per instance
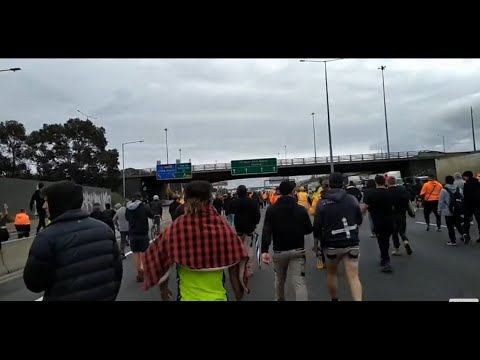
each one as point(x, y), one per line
point(314, 138)
point(332, 168)
point(285, 146)
point(88, 116)
point(443, 141)
point(123, 163)
point(180, 150)
point(473, 130)
point(385, 109)
point(166, 141)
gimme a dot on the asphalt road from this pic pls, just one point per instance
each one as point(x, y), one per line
point(435, 271)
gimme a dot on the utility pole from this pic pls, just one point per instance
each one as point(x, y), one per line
point(473, 130)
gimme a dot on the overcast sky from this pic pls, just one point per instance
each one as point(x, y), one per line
point(224, 109)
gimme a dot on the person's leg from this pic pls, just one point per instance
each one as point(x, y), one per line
point(332, 260)
point(395, 238)
point(123, 241)
point(280, 267)
point(297, 269)
point(427, 210)
point(450, 221)
point(437, 215)
point(351, 261)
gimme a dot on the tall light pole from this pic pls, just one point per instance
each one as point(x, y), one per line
point(473, 130)
point(285, 146)
point(11, 69)
point(332, 169)
point(123, 162)
point(443, 138)
point(166, 141)
point(314, 137)
point(180, 150)
point(88, 116)
point(382, 68)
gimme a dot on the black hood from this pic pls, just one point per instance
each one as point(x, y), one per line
point(62, 197)
point(335, 194)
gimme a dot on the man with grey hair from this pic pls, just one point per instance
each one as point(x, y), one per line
point(458, 181)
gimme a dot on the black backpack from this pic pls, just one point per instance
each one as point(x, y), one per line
point(455, 204)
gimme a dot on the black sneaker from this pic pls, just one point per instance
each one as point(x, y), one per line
point(428, 228)
point(408, 248)
point(387, 268)
point(450, 243)
point(466, 238)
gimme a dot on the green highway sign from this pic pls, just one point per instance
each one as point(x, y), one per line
point(254, 167)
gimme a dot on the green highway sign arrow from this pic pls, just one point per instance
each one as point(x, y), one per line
point(254, 166)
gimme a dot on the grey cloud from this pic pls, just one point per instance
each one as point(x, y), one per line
point(223, 109)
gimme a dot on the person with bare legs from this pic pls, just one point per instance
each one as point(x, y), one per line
point(336, 226)
point(137, 215)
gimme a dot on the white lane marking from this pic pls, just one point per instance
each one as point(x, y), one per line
point(419, 222)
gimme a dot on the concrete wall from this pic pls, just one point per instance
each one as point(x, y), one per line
point(16, 193)
point(449, 166)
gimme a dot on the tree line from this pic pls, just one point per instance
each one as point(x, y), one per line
point(74, 150)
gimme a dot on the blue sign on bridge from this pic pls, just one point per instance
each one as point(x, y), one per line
point(174, 171)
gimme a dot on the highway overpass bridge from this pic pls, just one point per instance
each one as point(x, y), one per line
point(410, 163)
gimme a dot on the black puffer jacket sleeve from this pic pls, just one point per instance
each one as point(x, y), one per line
point(38, 272)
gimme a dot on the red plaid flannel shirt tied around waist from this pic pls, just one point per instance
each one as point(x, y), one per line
point(198, 242)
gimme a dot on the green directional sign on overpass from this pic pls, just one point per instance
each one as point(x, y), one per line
point(254, 167)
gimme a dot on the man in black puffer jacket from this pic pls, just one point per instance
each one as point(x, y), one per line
point(76, 258)
point(471, 201)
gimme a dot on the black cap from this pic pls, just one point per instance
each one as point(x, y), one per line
point(242, 191)
point(201, 190)
point(468, 174)
point(63, 196)
point(286, 187)
point(335, 180)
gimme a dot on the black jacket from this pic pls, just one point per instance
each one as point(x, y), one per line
point(38, 200)
point(156, 207)
point(471, 194)
point(137, 215)
point(247, 214)
point(179, 211)
point(172, 208)
point(286, 223)
point(400, 198)
point(101, 216)
point(355, 192)
point(75, 258)
point(218, 204)
point(335, 212)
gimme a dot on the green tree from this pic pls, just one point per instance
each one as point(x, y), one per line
point(12, 147)
point(76, 149)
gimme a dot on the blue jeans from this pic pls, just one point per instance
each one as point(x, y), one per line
point(231, 218)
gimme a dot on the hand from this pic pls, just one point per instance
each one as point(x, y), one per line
point(166, 294)
point(266, 258)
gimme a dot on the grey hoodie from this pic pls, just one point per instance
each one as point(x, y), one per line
point(444, 200)
point(459, 182)
point(120, 220)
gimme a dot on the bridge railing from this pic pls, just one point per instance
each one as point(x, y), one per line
point(293, 162)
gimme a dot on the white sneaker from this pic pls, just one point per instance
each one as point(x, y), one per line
point(396, 252)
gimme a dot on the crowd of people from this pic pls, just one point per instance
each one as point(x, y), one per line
point(76, 255)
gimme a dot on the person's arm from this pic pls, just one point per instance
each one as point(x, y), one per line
point(257, 214)
point(115, 221)
point(318, 225)
point(441, 201)
point(234, 275)
point(117, 262)
point(149, 211)
point(39, 266)
point(267, 231)
point(32, 200)
point(307, 222)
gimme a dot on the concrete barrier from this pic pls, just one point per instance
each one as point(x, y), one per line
point(14, 254)
point(3, 269)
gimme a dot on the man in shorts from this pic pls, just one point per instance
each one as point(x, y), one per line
point(336, 226)
point(137, 215)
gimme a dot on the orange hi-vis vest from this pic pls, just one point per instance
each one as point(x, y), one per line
point(303, 199)
point(431, 190)
point(22, 219)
